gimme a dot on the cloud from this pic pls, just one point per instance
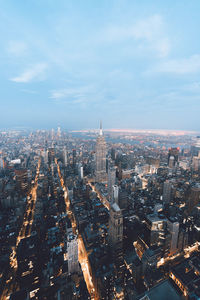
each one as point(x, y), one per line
point(36, 72)
point(179, 66)
point(66, 93)
point(75, 95)
point(17, 48)
point(149, 32)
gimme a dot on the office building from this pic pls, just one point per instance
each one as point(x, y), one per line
point(111, 181)
point(100, 170)
point(115, 236)
point(173, 227)
point(167, 192)
point(115, 194)
point(194, 197)
point(80, 171)
point(173, 157)
point(65, 156)
point(72, 251)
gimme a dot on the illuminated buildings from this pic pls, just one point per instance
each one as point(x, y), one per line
point(133, 216)
point(164, 290)
point(72, 251)
point(22, 179)
point(186, 276)
point(155, 230)
point(173, 227)
point(100, 170)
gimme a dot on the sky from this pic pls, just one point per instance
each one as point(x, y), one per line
point(133, 64)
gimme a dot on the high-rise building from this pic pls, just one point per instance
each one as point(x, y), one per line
point(113, 154)
point(196, 162)
point(194, 197)
point(1, 162)
point(72, 251)
point(111, 180)
point(74, 158)
point(80, 171)
point(154, 230)
point(22, 179)
point(52, 134)
point(65, 156)
point(46, 155)
point(115, 194)
point(167, 191)
point(100, 170)
point(171, 162)
point(196, 147)
point(115, 235)
point(51, 155)
point(123, 198)
point(173, 157)
point(59, 132)
point(173, 227)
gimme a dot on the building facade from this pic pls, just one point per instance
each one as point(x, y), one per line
point(100, 168)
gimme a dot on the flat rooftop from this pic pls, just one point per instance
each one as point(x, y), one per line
point(163, 290)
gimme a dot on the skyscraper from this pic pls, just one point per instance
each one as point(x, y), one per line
point(80, 171)
point(193, 197)
point(59, 132)
point(167, 191)
point(173, 157)
point(115, 194)
point(100, 170)
point(115, 235)
point(65, 156)
point(74, 158)
point(173, 227)
point(111, 180)
point(72, 250)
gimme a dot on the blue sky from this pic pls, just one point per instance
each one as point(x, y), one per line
point(133, 64)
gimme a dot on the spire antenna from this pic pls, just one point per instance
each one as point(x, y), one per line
point(101, 131)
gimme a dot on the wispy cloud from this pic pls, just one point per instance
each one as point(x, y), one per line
point(179, 66)
point(74, 95)
point(149, 32)
point(36, 72)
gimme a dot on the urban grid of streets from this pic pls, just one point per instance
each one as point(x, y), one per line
point(64, 175)
point(24, 232)
point(83, 259)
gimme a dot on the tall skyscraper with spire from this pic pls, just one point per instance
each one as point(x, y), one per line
point(100, 171)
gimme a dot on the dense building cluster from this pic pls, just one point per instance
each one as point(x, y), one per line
point(88, 215)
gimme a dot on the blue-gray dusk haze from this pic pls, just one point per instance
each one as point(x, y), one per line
point(134, 64)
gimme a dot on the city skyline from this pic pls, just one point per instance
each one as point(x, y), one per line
point(99, 216)
point(71, 64)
